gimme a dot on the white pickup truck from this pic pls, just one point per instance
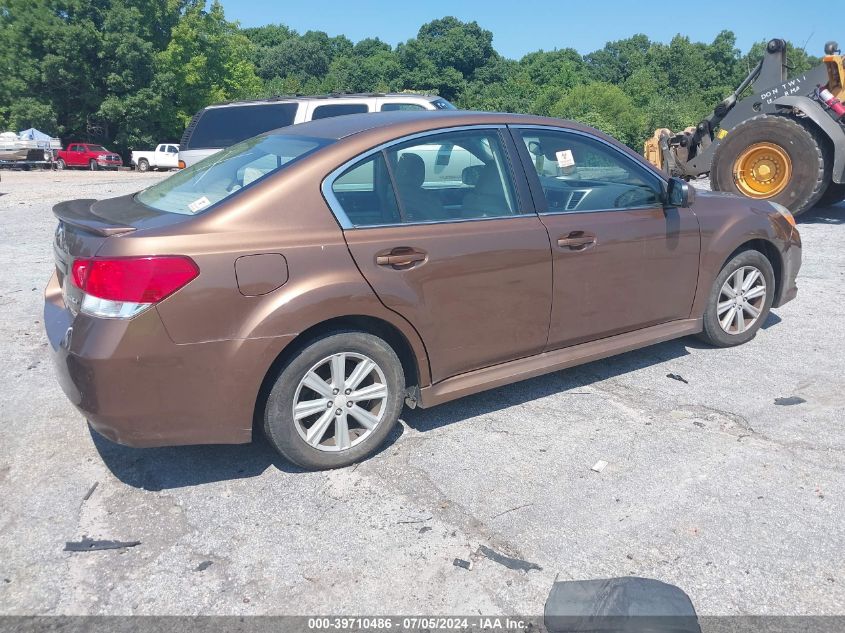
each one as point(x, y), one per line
point(165, 156)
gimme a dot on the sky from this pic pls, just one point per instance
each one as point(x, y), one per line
point(522, 26)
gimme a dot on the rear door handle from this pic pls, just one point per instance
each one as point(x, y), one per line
point(577, 241)
point(401, 257)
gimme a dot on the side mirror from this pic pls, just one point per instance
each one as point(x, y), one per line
point(679, 193)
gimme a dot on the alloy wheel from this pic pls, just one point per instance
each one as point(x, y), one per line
point(741, 300)
point(340, 401)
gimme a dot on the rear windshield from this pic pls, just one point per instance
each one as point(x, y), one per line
point(222, 127)
point(223, 174)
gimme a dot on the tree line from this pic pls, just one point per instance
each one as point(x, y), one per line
point(131, 73)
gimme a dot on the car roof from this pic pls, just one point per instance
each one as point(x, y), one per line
point(296, 98)
point(339, 127)
point(360, 132)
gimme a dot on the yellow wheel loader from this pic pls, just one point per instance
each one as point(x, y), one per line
point(784, 142)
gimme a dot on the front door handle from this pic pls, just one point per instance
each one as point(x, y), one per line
point(401, 258)
point(577, 241)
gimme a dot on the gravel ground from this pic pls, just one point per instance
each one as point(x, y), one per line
point(711, 485)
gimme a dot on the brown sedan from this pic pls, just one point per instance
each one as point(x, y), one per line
point(320, 276)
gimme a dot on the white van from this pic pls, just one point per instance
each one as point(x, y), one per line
point(218, 126)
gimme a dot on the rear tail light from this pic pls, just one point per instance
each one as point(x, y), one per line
point(125, 286)
point(182, 164)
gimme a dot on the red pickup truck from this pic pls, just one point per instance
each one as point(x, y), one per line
point(89, 156)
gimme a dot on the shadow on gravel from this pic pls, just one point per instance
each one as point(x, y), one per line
point(571, 380)
point(568, 380)
point(823, 215)
point(181, 466)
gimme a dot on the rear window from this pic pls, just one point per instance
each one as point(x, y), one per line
point(393, 107)
point(222, 127)
point(225, 173)
point(338, 109)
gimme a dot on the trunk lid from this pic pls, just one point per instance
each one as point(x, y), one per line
point(85, 225)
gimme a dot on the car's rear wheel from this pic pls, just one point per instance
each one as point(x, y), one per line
point(143, 165)
point(92, 165)
point(740, 300)
point(336, 401)
point(60, 164)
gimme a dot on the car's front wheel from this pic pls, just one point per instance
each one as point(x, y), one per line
point(336, 401)
point(92, 165)
point(740, 300)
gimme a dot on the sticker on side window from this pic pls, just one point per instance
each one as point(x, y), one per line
point(199, 204)
point(565, 158)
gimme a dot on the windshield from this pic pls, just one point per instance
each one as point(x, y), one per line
point(442, 104)
point(225, 173)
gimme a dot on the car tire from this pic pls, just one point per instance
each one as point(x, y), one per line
point(730, 321)
point(834, 194)
point(312, 437)
point(800, 143)
point(61, 164)
point(143, 165)
point(92, 165)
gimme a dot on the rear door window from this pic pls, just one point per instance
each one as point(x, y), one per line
point(441, 177)
point(338, 109)
point(453, 176)
point(225, 126)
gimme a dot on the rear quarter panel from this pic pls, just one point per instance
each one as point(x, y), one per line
point(284, 214)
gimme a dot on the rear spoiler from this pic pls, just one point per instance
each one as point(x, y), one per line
point(78, 213)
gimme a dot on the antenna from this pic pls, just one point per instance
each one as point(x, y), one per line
point(804, 47)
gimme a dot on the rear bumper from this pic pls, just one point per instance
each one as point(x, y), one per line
point(791, 264)
point(139, 388)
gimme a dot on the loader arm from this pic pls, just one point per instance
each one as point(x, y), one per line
point(689, 154)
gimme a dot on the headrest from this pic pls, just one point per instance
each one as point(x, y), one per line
point(410, 170)
point(470, 175)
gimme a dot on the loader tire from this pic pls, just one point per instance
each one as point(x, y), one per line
point(835, 193)
point(773, 157)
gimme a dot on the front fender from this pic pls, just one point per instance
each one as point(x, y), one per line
point(727, 222)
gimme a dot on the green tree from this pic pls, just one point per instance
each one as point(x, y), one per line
point(445, 55)
point(121, 72)
point(207, 60)
point(604, 106)
point(132, 72)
